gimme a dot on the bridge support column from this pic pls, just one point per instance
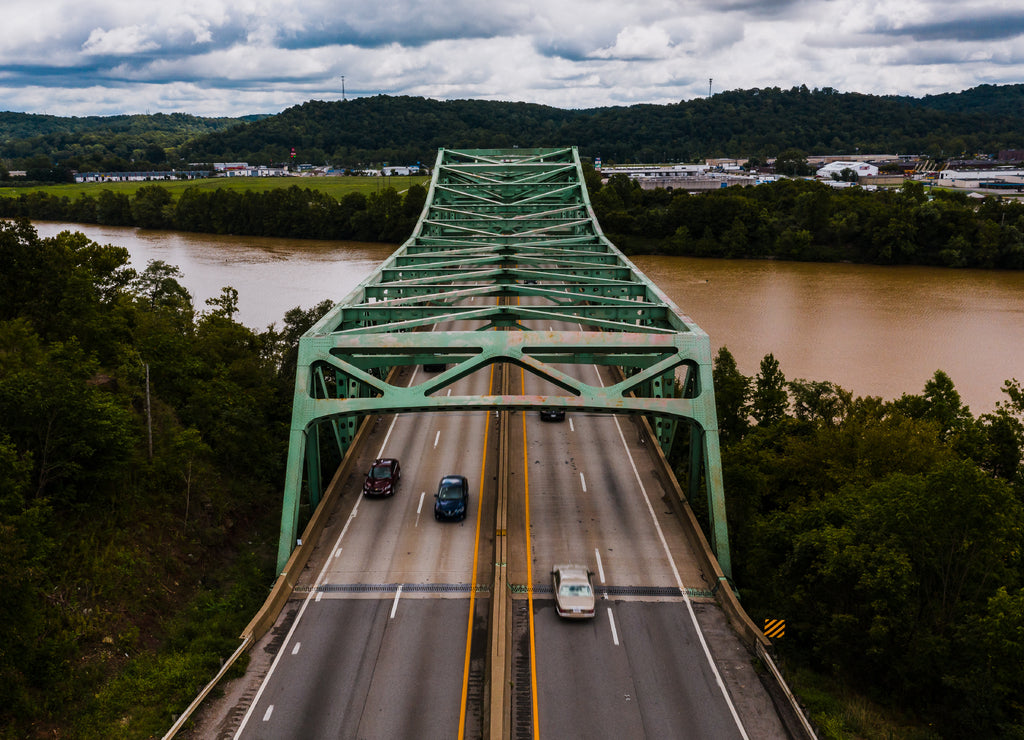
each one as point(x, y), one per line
point(292, 490)
point(711, 468)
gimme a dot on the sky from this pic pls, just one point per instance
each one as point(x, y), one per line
point(237, 57)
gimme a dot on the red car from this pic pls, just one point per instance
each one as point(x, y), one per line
point(382, 478)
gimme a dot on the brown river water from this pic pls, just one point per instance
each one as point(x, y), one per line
point(880, 331)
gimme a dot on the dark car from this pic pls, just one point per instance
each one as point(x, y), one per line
point(382, 478)
point(552, 414)
point(452, 498)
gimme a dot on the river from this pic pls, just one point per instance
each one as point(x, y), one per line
point(880, 331)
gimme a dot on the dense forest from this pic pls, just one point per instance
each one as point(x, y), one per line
point(888, 533)
point(805, 220)
point(891, 535)
point(742, 123)
point(42, 144)
point(293, 212)
point(142, 444)
point(404, 130)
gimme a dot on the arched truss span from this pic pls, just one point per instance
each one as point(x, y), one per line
point(506, 264)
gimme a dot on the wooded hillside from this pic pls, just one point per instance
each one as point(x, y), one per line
point(404, 130)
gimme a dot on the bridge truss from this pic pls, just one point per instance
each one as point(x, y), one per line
point(506, 242)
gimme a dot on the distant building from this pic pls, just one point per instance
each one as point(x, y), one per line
point(640, 171)
point(823, 159)
point(242, 169)
point(1007, 178)
point(863, 169)
point(412, 169)
point(141, 176)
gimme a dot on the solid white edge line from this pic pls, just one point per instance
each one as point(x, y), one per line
point(394, 606)
point(611, 621)
point(675, 572)
point(682, 589)
point(305, 603)
point(600, 565)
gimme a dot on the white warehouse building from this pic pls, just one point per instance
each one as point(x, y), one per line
point(863, 169)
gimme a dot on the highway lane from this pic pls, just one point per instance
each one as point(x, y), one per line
point(365, 658)
point(640, 668)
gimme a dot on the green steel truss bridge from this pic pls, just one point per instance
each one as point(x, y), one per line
point(507, 241)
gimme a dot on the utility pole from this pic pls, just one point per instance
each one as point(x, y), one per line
point(343, 87)
point(709, 86)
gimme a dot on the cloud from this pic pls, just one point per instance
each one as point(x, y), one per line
point(973, 28)
point(634, 43)
point(248, 56)
point(122, 41)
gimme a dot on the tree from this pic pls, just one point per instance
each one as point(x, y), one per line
point(732, 389)
point(151, 207)
point(24, 549)
point(226, 304)
point(52, 404)
point(792, 162)
point(845, 175)
point(113, 209)
point(819, 401)
point(769, 400)
point(159, 283)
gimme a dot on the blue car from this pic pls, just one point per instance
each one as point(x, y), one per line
point(452, 498)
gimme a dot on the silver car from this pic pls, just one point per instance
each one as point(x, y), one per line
point(574, 591)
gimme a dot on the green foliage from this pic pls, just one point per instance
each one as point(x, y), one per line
point(757, 122)
point(101, 540)
point(769, 400)
point(890, 536)
point(792, 162)
point(292, 212)
point(731, 397)
point(100, 143)
point(761, 123)
point(806, 220)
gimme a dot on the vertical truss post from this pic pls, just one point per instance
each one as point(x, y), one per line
point(313, 472)
point(292, 494)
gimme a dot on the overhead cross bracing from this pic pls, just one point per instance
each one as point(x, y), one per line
point(506, 264)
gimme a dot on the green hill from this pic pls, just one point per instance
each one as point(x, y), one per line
point(112, 143)
point(740, 123)
point(403, 130)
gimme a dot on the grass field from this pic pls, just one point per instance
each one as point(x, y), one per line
point(336, 187)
